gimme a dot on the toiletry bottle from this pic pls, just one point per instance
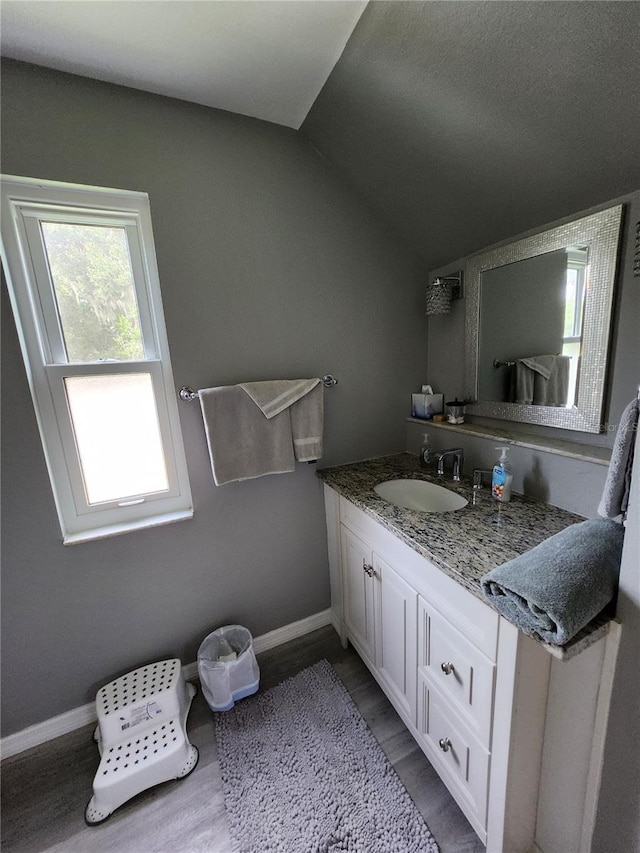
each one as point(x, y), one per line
point(502, 477)
point(426, 455)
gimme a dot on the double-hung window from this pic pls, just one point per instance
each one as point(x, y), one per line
point(81, 269)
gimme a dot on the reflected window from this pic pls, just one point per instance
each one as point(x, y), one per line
point(575, 296)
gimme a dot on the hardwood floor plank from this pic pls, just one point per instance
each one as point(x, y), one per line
point(45, 790)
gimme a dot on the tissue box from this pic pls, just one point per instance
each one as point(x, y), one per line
point(425, 406)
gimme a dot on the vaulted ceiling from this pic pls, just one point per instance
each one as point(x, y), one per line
point(465, 123)
point(461, 123)
point(263, 59)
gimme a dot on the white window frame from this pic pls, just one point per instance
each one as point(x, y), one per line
point(24, 202)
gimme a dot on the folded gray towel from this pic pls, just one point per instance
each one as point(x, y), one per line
point(242, 443)
point(615, 497)
point(556, 588)
point(307, 425)
point(273, 396)
point(522, 383)
point(305, 400)
point(541, 364)
point(542, 380)
point(553, 390)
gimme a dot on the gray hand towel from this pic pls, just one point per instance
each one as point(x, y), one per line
point(305, 400)
point(553, 390)
point(556, 588)
point(275, 395)
point(540, 364)
point(243, 444)
point(522, 383)
point(307, 416)
point(542, 380)
point(615, 497)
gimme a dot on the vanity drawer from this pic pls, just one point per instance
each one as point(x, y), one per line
point(459, 670)
point(456, 754)
point(357, 519)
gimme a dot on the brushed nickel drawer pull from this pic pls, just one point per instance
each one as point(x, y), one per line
point(445, 744)
point(447, 667)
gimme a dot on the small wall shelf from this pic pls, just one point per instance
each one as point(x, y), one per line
point(586, 452)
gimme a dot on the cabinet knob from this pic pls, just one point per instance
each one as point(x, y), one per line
point(369, 570)
point(447, 667)
point(445, 744)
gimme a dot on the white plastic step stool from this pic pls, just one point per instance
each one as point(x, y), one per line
point(141, 735)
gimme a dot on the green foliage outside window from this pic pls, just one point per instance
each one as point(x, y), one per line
point(94, 288)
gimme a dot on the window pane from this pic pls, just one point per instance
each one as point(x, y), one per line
point(573, 351)
point(117, 435)
point(571, 293)
point(94, 288)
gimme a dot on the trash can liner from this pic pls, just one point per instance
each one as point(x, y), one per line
point(227, 667)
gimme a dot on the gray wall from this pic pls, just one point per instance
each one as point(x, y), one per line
point(464, 123)
point(269, 267)
point(521, 314)
point(446, 361)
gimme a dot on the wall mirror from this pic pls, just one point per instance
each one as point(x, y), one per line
point(537, 324)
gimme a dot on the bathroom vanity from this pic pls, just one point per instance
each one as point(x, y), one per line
point(513, 727)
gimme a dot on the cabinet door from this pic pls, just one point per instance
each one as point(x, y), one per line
point(358, 581)
point(397, 637)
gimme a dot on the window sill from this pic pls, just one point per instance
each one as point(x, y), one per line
point(127, 527)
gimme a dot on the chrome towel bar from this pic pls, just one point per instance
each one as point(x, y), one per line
point(187, 393)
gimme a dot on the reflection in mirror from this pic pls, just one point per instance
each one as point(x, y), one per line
point(531, 316)
point(537, 321)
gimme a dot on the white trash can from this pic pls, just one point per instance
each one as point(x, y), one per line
point(227, 667)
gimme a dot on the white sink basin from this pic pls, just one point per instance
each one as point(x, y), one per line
point(419, 495)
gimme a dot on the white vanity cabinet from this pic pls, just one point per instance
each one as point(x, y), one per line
point(396, 638)
point(359, 593)
point(478, 696)
point(380, 611)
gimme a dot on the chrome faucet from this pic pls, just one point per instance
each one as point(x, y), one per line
point(458, 458)
point(478, 476)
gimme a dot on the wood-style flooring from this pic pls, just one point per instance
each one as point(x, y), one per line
point(45, 790)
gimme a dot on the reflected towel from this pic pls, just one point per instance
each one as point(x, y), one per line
point(522, 383)
point(556, 588)
point(542, 380)
point(540, 364)
point(242, 443)
point(615, 497)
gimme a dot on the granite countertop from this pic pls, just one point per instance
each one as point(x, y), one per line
point(464, 544)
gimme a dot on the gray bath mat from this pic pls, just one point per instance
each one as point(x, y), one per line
point(302, 773)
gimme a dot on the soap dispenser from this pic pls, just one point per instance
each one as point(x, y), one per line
point(502, 477)
point(426, 454)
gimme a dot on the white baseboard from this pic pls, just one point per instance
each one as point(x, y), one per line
point(48, 730)
point(292, 631)
point(86, 714)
